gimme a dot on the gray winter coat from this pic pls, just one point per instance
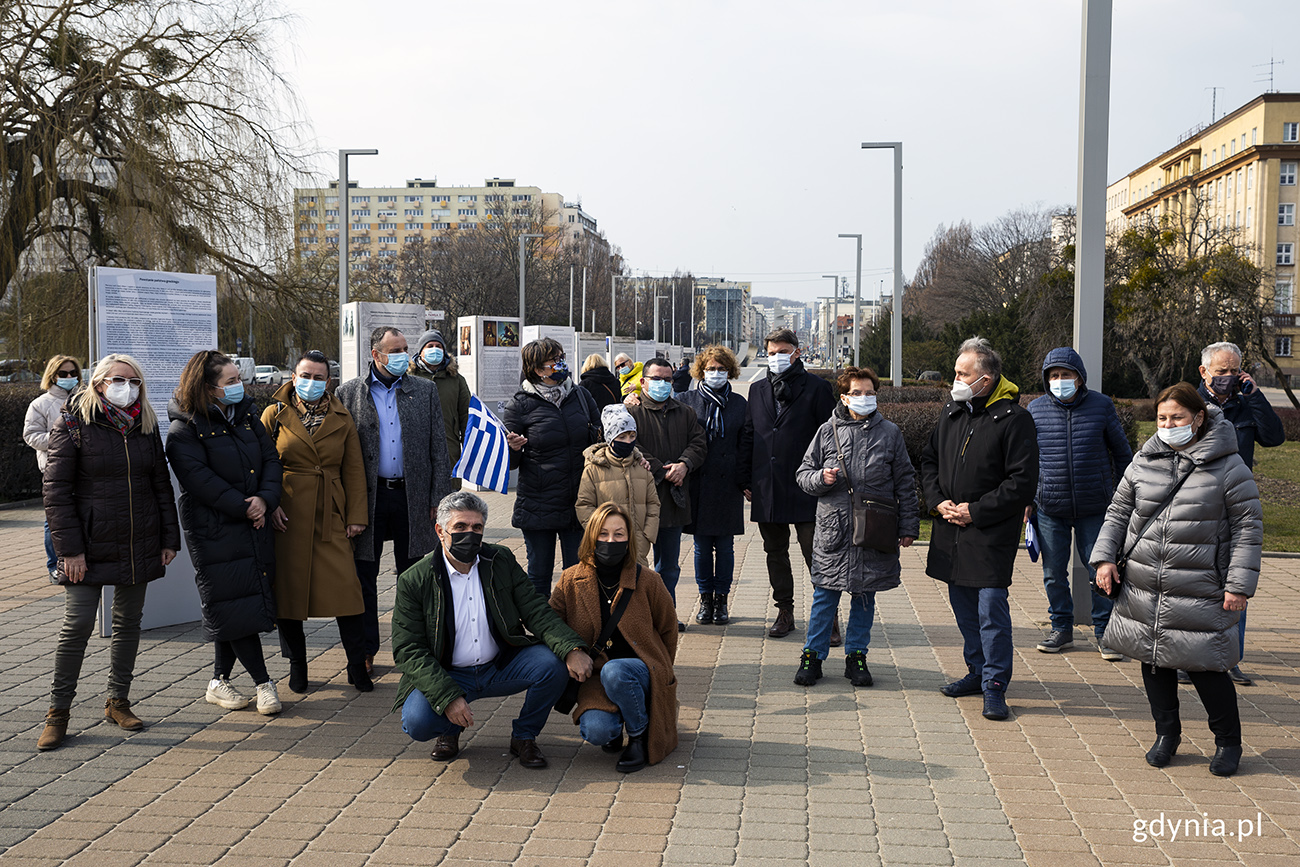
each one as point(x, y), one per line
point(424, 456)
point(1169, 612)
point(876, 458)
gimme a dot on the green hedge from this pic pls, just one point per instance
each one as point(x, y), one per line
point(19, 477)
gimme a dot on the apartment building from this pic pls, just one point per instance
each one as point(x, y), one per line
point(1243, 166)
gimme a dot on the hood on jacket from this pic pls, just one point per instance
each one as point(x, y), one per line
point(599, 455)
point(1219, 440)
point(1065, 356)
point(1004, 390)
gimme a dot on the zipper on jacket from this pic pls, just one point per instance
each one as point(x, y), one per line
point(130, 504)
point(1069, 459)
point(1160, 568)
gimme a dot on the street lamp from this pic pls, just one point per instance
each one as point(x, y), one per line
point(857, 305)
point(896, 323)
point(344, 200)
point(656, 331)
point(832, 329)
point(522, 240)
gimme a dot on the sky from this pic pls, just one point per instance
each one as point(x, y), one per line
point(723, 138)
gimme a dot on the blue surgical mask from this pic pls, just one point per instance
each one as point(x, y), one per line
point(232, 394)
point(433, 356)
point(309, 390)
point(658, 390)
point(779, 362)
point(1177, 437)
point(67, 383)
point(397, 363)
point(1063, 388)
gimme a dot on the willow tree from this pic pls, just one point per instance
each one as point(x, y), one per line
point(144, 133)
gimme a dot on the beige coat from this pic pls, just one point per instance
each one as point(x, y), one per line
point(625, 482)
point(650, 626)
point(324, 492)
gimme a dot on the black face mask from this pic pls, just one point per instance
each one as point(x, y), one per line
point(1225, 386)
point(621, 448)
point(465, 546)
point(610, 553)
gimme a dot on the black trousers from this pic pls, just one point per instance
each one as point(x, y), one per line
point(248, 650)
point(1217, 694)
point(776, 544)
point(391, 524)
point(352, 632)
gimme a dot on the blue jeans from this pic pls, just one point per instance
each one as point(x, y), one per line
point(626, 683)
point(715, 563)
point(535, 669)
point(668, 556)
point(984, 618)
point(825, 605)
point(541, 554)
point(1054, 540)
point(51, 559)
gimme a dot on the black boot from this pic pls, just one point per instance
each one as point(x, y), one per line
point(298, 675)
point(705, 614)
point(634, 757)
point(720, 615)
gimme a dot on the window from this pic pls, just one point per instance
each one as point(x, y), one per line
point(414, 199)
point(1236, 220)
point(306, 239)
point(415, 212)
point(1282, 347)
point(1218, 190)
point(332, 239)
point(440, 198)
point(496, 212)
point(570, 218)
point(307, 254)
point(467, 212)
point(1248, 210)
point(467, 225)
point(387, 254)
point(1282, 296)
point(331, 200)
point(360, 200)
point(440, 225)
point(1286, 215)
point(331, 227)
point(364, 212)
point(467, 198)
point(1214, 155)
point(361, 254)
point(1286, 175)
point(522, 198)
point(410, 226)
point(359, 227)
point(387, 213)
point(305, 200)
point(1243, 141)
point(1234, 145)
point(385, 227)
point(440, 212)
point(331, 212)
point(411, 239)
point(1254, 133)
point(494, 198)
point(383, 199)
point(1285, 254)
point(1250, 177)
point(1291, 132)
point(519, 212)
point(312, 212)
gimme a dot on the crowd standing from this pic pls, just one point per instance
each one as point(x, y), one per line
point(285, 515)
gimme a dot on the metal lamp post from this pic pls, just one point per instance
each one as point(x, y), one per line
point(857, 305)
point(522, 240)
point(656, 331)
point(833, 329)
point(896, 323)
point(344, 200)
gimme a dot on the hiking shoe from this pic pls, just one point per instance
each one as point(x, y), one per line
point(855, 668)
point(56, 729)
point(1110, 654)
point(1057, 640)
point(268, 700)
point(810, 669)
point(968, 685)
point(222, 694)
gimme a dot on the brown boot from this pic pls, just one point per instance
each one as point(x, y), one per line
point(56, 729)
point(119, 711)
point(783, 624)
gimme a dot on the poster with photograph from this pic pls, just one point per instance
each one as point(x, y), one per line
point(488, 353)
point(466, 341)
point(562, 334)
point(359, 318)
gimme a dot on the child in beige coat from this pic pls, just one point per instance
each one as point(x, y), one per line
point(615, 473)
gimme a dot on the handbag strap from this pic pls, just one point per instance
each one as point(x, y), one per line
point(835, 435)
point(615, 615)
point(1156, 513)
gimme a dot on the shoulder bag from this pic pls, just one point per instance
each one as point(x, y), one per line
point(875, 517)
point(568, 698)
point(1121, 565)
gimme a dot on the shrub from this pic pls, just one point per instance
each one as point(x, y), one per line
point(19, 477)
point(1290, 423)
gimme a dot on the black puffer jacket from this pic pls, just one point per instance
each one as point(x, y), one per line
point(550, 466)
point(717, 499)
point(219, 463)
point(603, 386)
point(110, 498)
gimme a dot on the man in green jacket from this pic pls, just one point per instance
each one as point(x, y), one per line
point(459, 635)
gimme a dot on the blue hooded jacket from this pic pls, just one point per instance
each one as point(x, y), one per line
point(1082, 450)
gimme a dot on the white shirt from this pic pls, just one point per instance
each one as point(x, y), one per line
point(474, 642)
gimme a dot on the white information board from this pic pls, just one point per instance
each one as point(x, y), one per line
point(359, 318)
point(591, 343)
point(160, 319)
point(564, 335)
point(488, 352)
point(645, 350)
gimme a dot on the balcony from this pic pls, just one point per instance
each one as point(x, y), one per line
point(1283, 320)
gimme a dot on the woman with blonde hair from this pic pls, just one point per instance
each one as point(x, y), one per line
point(632, 684)
point(600, 381)
point(112, 516)
point(62, 375)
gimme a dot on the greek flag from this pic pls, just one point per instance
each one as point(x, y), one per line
point(485, 457)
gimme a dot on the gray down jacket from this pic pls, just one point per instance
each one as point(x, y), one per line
point(1169, 612)
point(877, 462)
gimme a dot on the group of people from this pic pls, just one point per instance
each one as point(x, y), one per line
point(286, 513)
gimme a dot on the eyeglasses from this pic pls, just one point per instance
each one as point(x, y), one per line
point(122, 380)
point(658, 378)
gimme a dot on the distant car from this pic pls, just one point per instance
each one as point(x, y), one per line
point(269, 374)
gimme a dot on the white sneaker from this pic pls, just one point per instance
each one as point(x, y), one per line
point(1110, 654)
point(222, 694)
point(268, 700)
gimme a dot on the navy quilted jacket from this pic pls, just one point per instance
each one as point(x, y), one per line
point(1077, 443)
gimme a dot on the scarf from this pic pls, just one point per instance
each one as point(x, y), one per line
point(312, 414)
point(122, 418)
point(554, 393)
point(716, 402)
point(782, 389)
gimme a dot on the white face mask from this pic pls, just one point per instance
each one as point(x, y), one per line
point(779, 362)
point(1176, 437)
point(964, 393)
point(123, 394)
point(862, 404)
point(715, 378)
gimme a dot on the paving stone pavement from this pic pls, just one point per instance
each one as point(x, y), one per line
point(767, 772)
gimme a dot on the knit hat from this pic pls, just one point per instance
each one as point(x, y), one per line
point(616, 420)
point(428, 337)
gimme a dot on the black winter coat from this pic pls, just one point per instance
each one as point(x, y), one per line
point(218, 464)
point(110, 498)
point(772, 448)
point(1253, 417)
point(989, 459)
point(603, 386)
point(717, 501)
point(550, 466)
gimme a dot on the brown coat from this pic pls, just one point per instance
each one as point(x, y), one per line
point(324, 492)
point(625, 482)
point(650, 626)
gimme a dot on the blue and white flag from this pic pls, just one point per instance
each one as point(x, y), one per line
point(485, 457)
point(1031, 537)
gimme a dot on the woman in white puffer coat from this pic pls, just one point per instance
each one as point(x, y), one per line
point(1193, 564)
point(62, 376)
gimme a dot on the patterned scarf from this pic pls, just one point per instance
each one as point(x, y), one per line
point(717, 402)
point(312, 415)
point(122, 418)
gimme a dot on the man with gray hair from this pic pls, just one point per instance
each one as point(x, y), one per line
point(468, 624)
point(1232, 389)
point(979, 471)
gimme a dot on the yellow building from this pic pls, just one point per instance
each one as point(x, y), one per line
point(1243, 168)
